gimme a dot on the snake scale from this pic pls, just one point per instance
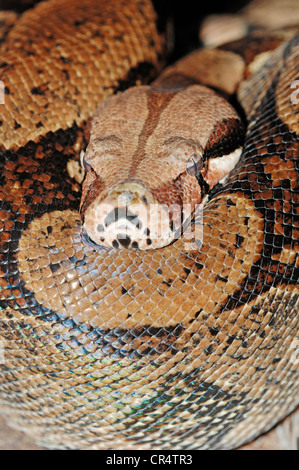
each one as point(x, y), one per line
point(164, 347)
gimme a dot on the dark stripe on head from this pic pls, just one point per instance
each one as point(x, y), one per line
point(157, 100)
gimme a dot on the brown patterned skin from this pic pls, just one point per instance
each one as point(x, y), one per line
point(133, 349)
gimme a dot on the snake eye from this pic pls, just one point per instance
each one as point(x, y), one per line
point(194, 165)
point(83, 162)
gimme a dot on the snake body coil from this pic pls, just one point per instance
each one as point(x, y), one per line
point(167, 348)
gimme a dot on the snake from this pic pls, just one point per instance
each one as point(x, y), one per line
point(125, 331)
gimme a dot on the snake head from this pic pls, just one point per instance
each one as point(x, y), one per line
point(152, 157)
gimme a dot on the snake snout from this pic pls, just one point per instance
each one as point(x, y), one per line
point(129, 217)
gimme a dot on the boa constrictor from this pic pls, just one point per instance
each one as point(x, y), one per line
point(175, 345)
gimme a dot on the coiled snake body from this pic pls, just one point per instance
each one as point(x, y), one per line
point(167, 348)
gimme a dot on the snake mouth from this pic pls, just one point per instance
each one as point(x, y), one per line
point(131, 217)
